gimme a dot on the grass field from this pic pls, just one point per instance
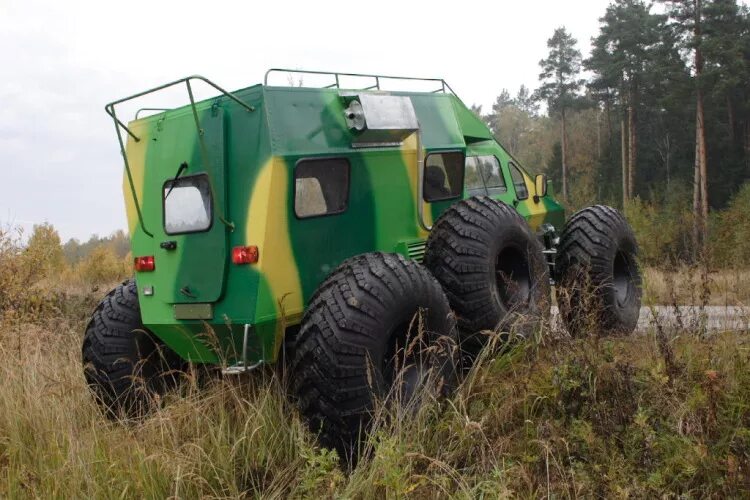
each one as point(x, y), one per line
point(663, 413)
point(696, 286)
point(644, 416)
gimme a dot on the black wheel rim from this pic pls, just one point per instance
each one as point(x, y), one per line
point(622, 277)
point(513, 277)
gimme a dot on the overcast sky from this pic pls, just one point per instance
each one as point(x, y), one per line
point(63, 60)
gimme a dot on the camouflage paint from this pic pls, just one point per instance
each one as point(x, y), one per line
point(250, 158)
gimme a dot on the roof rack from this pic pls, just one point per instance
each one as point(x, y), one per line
point(444, 87)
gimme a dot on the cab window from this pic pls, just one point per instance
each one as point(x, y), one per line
point(443, 176)
point(483, 176)
point(493, 176)
point(473, 181)
point(519, 182)
point(321, 187)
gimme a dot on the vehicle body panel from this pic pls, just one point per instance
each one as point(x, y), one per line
point(251, 159)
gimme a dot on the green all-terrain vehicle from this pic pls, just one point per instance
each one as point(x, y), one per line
point(371, 239)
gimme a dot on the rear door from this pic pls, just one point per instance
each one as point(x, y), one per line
point(192, 240)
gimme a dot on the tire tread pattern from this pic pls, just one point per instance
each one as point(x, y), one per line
point(331, 370)
point(588, 245)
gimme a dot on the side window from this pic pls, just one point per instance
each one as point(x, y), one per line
point(493, 177)
point(519, 183)
point(187, 205)
point(473, 181)
point(321, 187)
point(443, 176)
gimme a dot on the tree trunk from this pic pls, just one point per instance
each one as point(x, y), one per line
point(700, 135)
point(632, 141)
point(598, 133)
point(564, 147)
point(696, 203)
point(668, 144)
point(732, 122)
point(701, 163)
point(624, 158)
point(608, 111)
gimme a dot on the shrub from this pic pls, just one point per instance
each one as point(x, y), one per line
point(103, 266)
point(662, 229)
point(730, 231)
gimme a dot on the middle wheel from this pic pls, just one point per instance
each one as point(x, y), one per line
point(492, 268)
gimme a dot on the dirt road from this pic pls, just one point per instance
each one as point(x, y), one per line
point(692, 317)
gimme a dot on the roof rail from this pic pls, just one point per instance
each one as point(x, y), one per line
point(444, 87)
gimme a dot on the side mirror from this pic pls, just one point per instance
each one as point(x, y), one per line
point(540, 187)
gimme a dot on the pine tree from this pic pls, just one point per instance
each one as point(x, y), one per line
point(687, 17)
point(560, 85)
point(619, 60)
point(726, 76)
point(526, 102)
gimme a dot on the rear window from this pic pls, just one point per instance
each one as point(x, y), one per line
point(187, 205)
point(443, 176)
point(321, 187)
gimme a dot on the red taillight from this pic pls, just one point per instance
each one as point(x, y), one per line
point(144, 264)
point(245, 255)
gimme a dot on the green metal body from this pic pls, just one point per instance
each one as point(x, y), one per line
point(197, 300)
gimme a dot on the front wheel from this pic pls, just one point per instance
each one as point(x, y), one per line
point(125, 366)
point(599, 283)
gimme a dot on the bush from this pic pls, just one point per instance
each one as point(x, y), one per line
point(37, 282)
point(662, 229)
point(24, 271)
point(730, 231)
point(103, 266)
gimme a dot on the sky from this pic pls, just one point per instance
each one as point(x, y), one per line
point(62, 61)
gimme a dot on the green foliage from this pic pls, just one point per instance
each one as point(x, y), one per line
point(662, 229)
point(730, 231)
point(560, 72)
point(622, 50)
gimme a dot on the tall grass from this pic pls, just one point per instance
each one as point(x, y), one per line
point(563, 417)
point(658, 414)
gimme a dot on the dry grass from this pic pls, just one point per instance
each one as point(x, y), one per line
point(612, 417)
point(694, 286)
point(661, 414)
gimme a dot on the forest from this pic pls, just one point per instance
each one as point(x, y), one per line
point(656, 120)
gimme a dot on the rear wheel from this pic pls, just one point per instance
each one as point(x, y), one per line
point(125, 366)
point(599, 282)
point(379, 327)
point(492, 268)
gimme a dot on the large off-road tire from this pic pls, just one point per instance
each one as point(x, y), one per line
point(492, 268)
point(599, 283)
point(125, 366)
point(378, 328)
